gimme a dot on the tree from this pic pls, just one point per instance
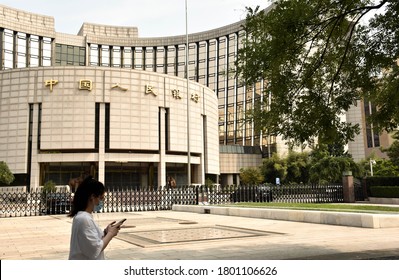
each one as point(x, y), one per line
point(6, 176)
point(393, 150)
point(250, 176)
point(385, 168)
point(381, 167)
point(297, 167)
point(329, 169)
point(318, 58)
point(273, 168)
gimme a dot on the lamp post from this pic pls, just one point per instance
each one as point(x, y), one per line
point(188, 108)
point(372, 162)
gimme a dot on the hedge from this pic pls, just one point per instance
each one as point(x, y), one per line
point(384, 191)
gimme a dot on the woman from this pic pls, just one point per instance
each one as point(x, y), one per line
point(88, 241)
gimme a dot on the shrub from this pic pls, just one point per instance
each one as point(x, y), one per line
point(6, 176)
point(384, 191)
point(49, 187)
point(251, 176)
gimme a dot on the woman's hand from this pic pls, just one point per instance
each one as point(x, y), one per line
point(112, 230)
point(106, 230)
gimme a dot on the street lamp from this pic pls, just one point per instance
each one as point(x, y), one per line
point(372, 162)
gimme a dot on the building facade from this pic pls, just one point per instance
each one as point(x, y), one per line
point(113, 59)
point(121, 126)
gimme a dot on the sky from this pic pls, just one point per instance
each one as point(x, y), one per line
point(153, 18)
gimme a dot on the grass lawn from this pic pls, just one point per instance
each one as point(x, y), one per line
point(339, 207)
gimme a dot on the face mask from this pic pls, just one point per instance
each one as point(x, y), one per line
point(99, 206)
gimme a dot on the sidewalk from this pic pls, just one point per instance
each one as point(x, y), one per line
point(173, 235)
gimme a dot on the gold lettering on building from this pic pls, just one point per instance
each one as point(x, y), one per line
point(85, 85)
point(117, 85)
point(50, 83)
point(195, 97)
point(150, 90)
point(176, 94)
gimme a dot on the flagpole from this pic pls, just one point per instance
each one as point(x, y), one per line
point(188, 108)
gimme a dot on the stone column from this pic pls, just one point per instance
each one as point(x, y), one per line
point(101, 145)
point(348, 186)
point(35, 165)
point(162, 151)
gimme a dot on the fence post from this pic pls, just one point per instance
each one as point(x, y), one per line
point(197, 195)
point(348, 187)
point(365, 189)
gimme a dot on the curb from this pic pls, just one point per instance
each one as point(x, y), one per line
point(364, 220)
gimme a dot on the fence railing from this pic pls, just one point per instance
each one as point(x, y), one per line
point(14, 203)
point(360, 191)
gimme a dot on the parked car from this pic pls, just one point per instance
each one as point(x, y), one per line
point(261, 193)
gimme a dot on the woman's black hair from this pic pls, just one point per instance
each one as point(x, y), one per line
point(88, 187)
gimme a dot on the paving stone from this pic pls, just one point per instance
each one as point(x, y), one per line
point(187, 236)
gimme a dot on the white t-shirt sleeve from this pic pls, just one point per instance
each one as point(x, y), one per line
point(86, 239)
point(89, 239)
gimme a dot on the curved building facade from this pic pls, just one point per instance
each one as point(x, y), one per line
point(52, 129)
point(122, 126)
point(110, 56)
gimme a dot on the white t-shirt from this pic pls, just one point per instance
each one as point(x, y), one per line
point(86, 238)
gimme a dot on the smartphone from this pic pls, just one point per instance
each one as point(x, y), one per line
point(119, 223)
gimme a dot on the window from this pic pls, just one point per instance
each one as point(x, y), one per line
point(127, 57)
point(138, 58)
point(116, 57)
point(46, 51)
point(94, 55)
point(69, 55)
point(105, 57)
point(160, 60)
point(8, 49)
point(171, 60)
point(34, 51)
point(21, 50)
point(149, 58)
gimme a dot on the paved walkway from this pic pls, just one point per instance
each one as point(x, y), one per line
point(191, 236)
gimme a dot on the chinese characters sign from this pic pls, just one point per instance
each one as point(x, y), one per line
point(50, 83)
point(85, 85)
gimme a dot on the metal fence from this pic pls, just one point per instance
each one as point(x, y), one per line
point(15, 203)
point(360, 191)
point(273, 193)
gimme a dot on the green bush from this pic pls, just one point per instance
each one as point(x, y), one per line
point(385, 191)
point(49, 187)
point(6, 176)
point(382, 181)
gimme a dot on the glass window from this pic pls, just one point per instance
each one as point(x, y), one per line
point(21, 50)
point(34, 51)
point(202, 62)
point(138, 58)
point(212, 61)
point(82, 56)
point(149, 58)
point(116, 57)
point(105, 57)
point(69, 55)
point(94, 55)
point(192, 62)
point(127, 57)
point(8, 49)
point(160, 60)
point(171, 60)
point(46, 52)
point(181, 61)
